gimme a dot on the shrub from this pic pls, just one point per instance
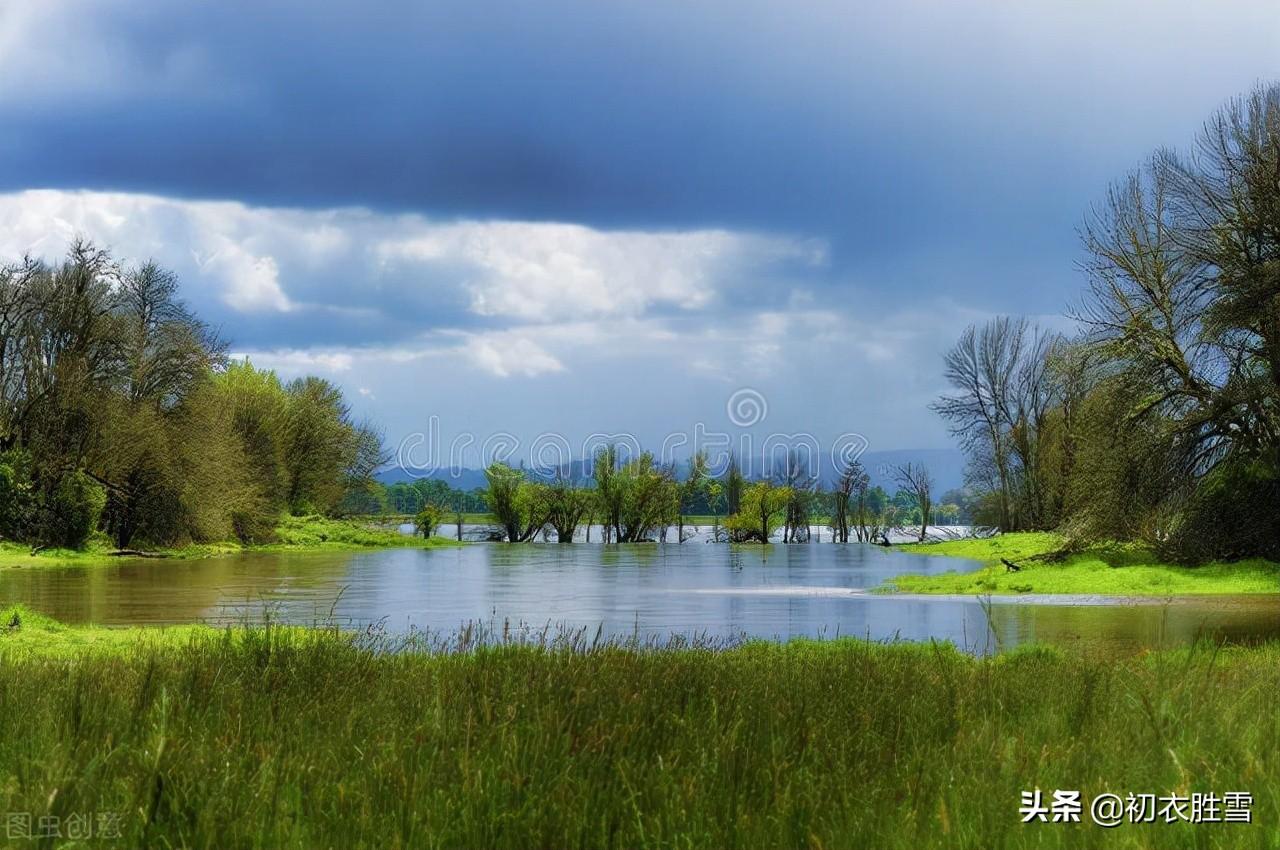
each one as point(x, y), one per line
point(73, 510)
point(17, 500)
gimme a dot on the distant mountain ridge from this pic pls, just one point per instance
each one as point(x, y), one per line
point(945, 465)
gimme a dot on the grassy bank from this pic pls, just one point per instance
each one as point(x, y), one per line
point(270, 738)
point(1116, 570)
point(294, 534)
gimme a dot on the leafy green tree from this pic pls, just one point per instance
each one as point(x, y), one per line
point(761, 512)
point(515, 502)
point(690, 489)
point(566, 505)
point(428, 519)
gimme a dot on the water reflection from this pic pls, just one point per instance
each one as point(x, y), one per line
point(817, 590)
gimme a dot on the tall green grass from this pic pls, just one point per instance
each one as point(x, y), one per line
point(311, 738)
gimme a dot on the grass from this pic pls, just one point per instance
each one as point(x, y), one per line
point(309, 533)
point(1112, 570)
point(310, 738)
point(23, 630)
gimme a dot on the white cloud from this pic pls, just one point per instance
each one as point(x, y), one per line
point(258, 260)
point(541, 272)
point(293, 362)
point(505, 355)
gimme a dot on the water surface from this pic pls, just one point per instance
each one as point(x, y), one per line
point(654, 590)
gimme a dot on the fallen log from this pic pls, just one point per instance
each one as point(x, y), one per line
point(1010, 566)
point(136, 553)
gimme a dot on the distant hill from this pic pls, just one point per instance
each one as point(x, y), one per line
point(946, 466)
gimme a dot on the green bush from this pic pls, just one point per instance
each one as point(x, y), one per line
point(1231, 516)
point(17, 501)
point(73, 510)
point(428, 519)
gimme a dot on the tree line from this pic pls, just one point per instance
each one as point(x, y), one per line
point(121, 412)
point(1160, 420)
point(638, 499)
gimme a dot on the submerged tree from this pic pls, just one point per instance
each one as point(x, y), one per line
point(852, 484)
point(514, 502)
point(566, 505)
point(761, 512)
point(690, 489)
point(914, 478)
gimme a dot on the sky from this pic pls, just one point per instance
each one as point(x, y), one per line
point(573, 217)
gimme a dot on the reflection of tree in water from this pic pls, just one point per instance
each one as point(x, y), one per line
point(220, 589)
point(1129, 628)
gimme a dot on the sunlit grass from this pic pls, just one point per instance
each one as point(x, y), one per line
point(309, 533)
point(310, 738)
point(1113, 570)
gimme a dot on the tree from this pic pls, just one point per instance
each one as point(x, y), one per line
point(514, 502)
point(802, 492)
point(1184, 309)
point(693, 486)
point(106, 377)
point(167, 354)
point(1003, 395)
point(715, 498)
point(914, 479)
point(428, 519)
point(734, 483)
point(566, 505)
point(853, 480)
point(761, 512)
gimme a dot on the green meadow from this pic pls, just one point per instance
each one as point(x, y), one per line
point(1113, 570)
point(305, 738)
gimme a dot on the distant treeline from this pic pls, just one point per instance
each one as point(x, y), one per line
point(638, 499)
point(410, 497)
point(1160, 422)
point(120, 411)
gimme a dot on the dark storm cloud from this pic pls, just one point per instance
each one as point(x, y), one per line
point(867, 126)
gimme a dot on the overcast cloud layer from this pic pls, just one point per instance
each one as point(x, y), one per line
point(589, 216)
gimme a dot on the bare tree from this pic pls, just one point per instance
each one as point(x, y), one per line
point(801, 485)
point(851, 484)
point(915, 479)
point(998, 411)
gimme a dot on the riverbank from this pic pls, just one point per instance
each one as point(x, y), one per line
point(294, 534)
point(1111, 571)
point(302, 738)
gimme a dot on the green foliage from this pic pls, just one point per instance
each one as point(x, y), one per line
point(1160, 423)
point(637, 498)
point(72, 512)
point(17, 498)
point(109, 376)
point(514, 502)
point(760, 513)
point(319, 532)
point(428, 519)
